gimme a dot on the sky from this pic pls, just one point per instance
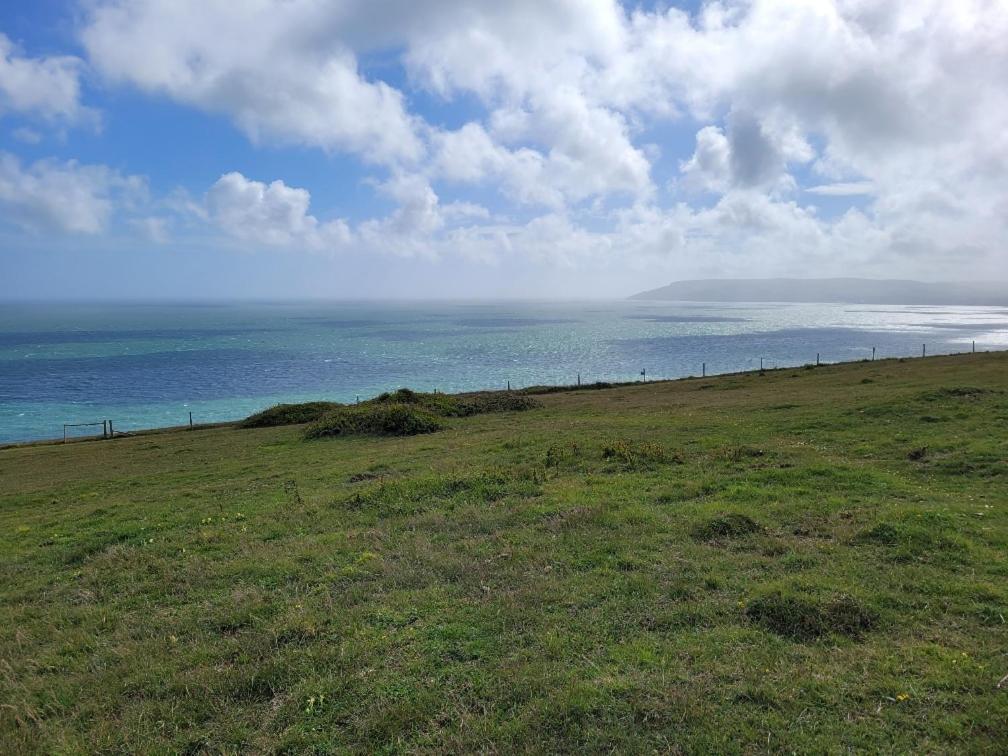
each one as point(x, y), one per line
point(283, 149)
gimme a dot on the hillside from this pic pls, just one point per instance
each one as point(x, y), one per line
point(852, 290)
point(807, 560)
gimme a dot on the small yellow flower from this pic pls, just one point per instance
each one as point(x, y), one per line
point(902, 696)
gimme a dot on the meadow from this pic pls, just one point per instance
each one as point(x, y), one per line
point(805, 560)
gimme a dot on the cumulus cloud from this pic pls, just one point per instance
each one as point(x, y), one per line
point(899, 105)
point(272, 214)
point(265, 65)
point(46, 86)
point(64, 197)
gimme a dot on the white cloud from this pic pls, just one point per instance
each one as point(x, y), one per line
point(272, 214)
point(901, 104)
point(48, 86)
point(272, 68)
point(64, 197)
point(843, 189)
point(710, 167)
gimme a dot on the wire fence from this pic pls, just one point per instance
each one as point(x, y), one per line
point(643, 376)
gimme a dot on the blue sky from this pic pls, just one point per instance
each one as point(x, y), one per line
point(564, 148)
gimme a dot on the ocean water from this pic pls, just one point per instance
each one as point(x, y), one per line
point(146, 366)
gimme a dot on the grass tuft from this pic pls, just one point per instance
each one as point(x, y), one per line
point(731, 525)
point(954, 392)
point(804, 619)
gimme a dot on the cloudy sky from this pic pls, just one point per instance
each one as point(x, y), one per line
point(390, 148)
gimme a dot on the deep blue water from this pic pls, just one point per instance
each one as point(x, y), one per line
point(150, 365)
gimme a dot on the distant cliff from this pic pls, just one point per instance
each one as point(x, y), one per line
point(851, 290)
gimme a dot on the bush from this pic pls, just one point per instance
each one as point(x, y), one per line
point(804, 618)
point(393, 419)
point(497, 401)
point(442, 405)
point(289, 414)
point(572, 387)
point(446, 405)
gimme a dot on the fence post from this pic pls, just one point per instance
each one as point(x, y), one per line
point(873, 354)
point(923, 350)
point(64, 433)
point(509, 384)
point(817, 359)
point(761, 364)
point(111, 432)
point(579, 379)
point(703, 369)
point(974, 346)
point(190, 420)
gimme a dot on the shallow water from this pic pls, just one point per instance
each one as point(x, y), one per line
point(150, 365)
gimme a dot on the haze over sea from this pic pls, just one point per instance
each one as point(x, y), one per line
point(146, 366)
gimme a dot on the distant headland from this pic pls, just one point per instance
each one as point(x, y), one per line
point(849, 290)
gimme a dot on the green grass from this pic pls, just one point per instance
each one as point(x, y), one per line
point(810, 560)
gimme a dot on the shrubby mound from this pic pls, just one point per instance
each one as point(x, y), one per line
point(806, 619)
point(438, 404)
point(496, 401)
point(446, 405)
point(289, 414)
point(571, 387)
point(382, 419)
point(406, 413)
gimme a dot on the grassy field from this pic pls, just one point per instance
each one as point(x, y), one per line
point(807, 560)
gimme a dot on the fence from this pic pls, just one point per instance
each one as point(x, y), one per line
point(107, 431)
point(106, 426)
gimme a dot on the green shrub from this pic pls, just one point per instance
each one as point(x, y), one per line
point(572, 387)
point(447, 405)
point(443, 405)
point(803, 618)
point(496, 401)
point(392, 419)
point(289, 414)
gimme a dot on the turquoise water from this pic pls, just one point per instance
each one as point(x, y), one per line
point(145, 366)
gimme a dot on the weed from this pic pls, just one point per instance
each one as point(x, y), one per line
point(559, 453)
point(737, 454)
point(636, 455)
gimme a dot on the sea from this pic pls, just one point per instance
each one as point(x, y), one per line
point(151, 365)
